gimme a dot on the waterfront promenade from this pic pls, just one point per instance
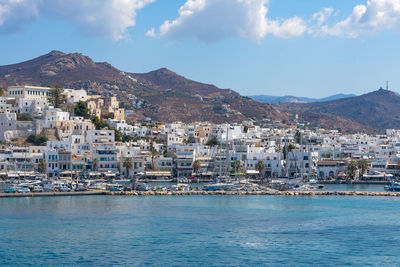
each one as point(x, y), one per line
point(205, 193)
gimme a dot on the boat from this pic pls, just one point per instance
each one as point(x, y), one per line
point(37, 188)
point(393, 187)
point(312, 181)
point(23, 190)
point(219, 187)
point(10, 190)
point(180, 187)
point(115, 187)
point(140, 187)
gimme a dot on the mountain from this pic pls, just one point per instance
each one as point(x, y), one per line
point(166, 96)
point(295, 99)
point(378, 110)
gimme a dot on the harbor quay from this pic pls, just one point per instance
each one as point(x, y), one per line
point(205, 193)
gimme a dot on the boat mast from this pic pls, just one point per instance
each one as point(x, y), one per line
point(219, 153)
point(286, 157)
point(227, 150)
point(301, 154)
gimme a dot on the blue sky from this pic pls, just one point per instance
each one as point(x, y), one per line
point(276, 47)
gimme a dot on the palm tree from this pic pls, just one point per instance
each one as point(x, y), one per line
point(352, 167)
point(260, 166)
point(363, 165)
point(243, 168)
point(42, 166)
point(95, 163)
point(236, 166)
point(128, 164)
point(196, 166)
point(154, 154)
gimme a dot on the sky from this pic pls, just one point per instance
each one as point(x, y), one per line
point(312, 48)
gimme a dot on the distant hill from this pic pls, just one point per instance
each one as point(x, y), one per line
point(166, 96)
point(294, 99)
point(378, 110)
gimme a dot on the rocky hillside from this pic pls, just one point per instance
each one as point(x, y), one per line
point(377, 110)
point(164, 95)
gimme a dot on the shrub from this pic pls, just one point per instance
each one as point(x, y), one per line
point(37, 140)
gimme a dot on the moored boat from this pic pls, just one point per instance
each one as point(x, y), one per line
point(393, 187)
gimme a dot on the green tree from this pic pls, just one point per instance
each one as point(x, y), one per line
point(56, 96)
point(1, 91)
point(81, 109)
point(95, 164)
point(117, 135)
point(212, 141)
point(127, 164)
point(363, 166)
point(352, 167)
point(24, 117)
point(297, 137)
point(260, 167)
point(37, 140)
point(42, 166)
point(196, 166)
point(245, 129)
point(100, 124)
point(236, 166)
point(290, 148)
point(327, 155)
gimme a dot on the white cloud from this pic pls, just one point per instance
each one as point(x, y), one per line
point(293, 27)
point(375, 16)
point(205, 20)
point(321, 16)
point(151, 32)
point(214, 20)
point(105, 18)
point(15, 15)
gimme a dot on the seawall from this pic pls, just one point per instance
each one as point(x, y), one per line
point(206, 193)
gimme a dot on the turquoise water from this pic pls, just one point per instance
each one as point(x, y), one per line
point(200, 230)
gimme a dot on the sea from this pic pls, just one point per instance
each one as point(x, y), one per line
point(200, 231)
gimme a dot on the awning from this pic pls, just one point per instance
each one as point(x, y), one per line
point(156, 173)
point(205, 173)
point(20, 174)
point(252, 172)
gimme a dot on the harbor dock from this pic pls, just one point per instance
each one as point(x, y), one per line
point(205, 193)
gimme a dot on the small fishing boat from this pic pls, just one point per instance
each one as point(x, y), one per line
point(393, 187)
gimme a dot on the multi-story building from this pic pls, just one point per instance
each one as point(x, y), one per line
point(184, 164)
point(107, 157)
point(8, 126)
point(73, 96)
point(28, 92)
